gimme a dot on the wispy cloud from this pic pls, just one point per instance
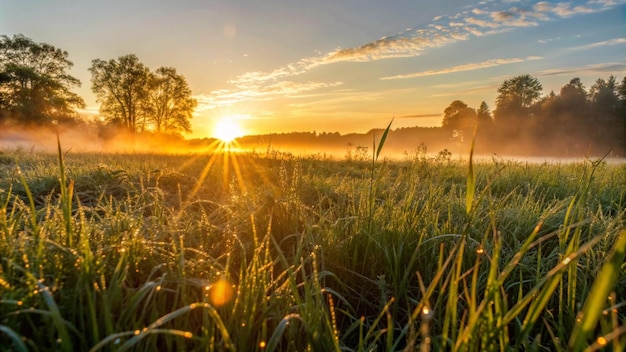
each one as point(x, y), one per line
point(226, 97)
point(487, 18)
point(465, 67)
point(459, 27)
point(603, 68)
point(615, 41)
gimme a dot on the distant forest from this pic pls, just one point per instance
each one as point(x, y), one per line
point(576, 122)
point(36, 91)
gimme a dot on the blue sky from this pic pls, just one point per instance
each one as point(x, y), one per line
point(347, 66)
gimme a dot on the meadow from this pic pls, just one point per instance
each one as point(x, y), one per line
point(273, 252)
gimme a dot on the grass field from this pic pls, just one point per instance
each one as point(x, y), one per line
point(273, 252)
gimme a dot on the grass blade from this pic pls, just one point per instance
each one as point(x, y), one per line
point(17, 341)
point(382, 139)
point(272, 344)
point(471, 182)
point(600, 290)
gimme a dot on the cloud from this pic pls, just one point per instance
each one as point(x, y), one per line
point(609, 67)
point(460, 68)
point(481, 23)
point(226, 97)
point(610, 42)
point(563, 10)
point(501, 16)
point(567, 9)
point(486, 18)
point(542, 6)
point(415, 41)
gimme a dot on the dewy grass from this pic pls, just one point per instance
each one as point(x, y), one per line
point(130, 252)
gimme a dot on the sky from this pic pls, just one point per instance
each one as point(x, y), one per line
point(334, 65)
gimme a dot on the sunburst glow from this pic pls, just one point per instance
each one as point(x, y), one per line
point(227, 129)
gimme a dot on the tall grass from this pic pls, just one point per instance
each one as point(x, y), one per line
point(130, 252)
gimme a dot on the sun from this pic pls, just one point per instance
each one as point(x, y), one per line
point(227, 128)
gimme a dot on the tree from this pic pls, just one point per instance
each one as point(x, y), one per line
point(562, 124)
point(170, 105)
point(459, 119)
point(604, 95)
point(34, 84)
point(622, 93)
point(568, 110)
point(606, 106)
point(519, 92)
point(134, 97)
point(574, 94)
point(483, 118)
point(121, 87)
point(451, 115)
point(515, 103)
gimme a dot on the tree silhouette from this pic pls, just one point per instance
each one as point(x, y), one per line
point(34, 83)
point(451, 115)
point(134, 97)
point(459, 119)
point(484, 118)
point(514, 104)
point(606, 106)
point(169, 102)
point(121, 87)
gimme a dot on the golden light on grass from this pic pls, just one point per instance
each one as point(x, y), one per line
point(220, 292)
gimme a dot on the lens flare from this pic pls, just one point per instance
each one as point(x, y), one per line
point(220, 293)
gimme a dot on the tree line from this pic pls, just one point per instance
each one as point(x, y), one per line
point(35, 89)
point(575, 121)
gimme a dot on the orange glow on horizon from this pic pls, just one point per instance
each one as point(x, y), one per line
point(228, 128)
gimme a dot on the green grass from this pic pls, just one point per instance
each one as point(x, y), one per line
point(111, 252)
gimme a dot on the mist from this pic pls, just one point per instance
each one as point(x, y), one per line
point(84, 139)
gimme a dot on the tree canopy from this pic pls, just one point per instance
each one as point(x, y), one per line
point(140, 100)
point(575, 121)
point(170, 105)
point(460, 119)
point(121, 88)
point(35, 86)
